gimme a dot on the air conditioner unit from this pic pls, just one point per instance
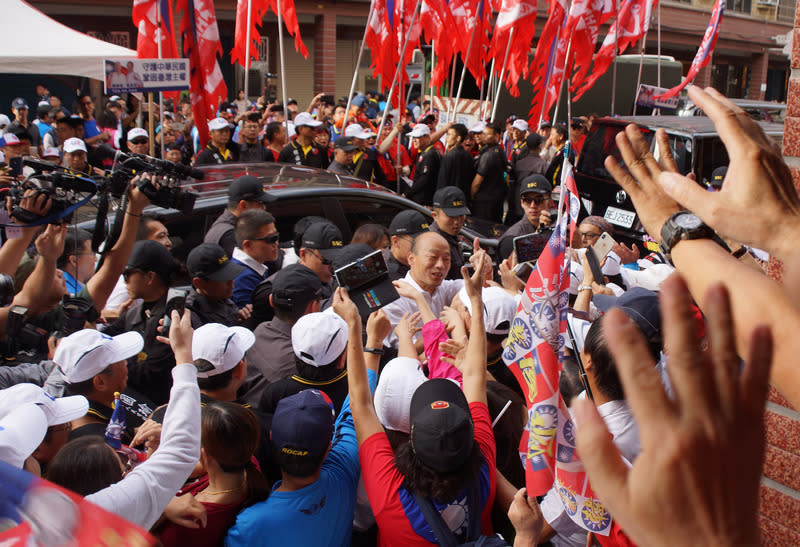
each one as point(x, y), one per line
point(767, 3)
point(418, 58)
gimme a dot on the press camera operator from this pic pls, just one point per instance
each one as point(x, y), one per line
point(39, 309)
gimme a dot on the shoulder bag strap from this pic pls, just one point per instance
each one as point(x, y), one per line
point(444, 535)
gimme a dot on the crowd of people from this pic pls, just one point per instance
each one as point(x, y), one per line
point(267, 409)
point(415, 153)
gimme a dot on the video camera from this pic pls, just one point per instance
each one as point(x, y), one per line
point(167, 194)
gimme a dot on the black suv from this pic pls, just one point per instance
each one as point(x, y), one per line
point(299, 191)
point(695, 145)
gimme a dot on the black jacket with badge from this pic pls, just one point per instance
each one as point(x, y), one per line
point(426, 176)
point(315, 156)
point(367, 167)
point(457, 169)
point(211, 155)
point(205, 311)
point(150, 371)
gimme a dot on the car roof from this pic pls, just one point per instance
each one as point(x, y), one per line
point(683, 125)
point(276, 177)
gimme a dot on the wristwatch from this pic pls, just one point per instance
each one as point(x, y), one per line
point(683, 225)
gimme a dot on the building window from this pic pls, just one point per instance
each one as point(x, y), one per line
point(742, 6)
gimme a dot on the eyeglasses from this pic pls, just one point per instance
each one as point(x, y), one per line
point(589, 234)
point(269, 240)
point(325, 261)
point(538, 200)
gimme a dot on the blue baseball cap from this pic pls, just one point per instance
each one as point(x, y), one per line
point(302, 426)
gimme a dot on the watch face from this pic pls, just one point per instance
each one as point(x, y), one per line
point(688, 221)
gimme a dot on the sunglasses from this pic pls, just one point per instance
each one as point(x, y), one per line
point(325, 261)
point(139, 141)
point(538, 200)
point(269, 240)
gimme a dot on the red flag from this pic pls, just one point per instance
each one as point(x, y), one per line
point(289, 14)
point(464, 16)
point(438, 28)
point(585, 18)
point(633, 20)
point(146, 18)
point(703, 55)
point(519, 15)
point(201, 45)
point(381, 41)
point(258, 10)
point(534, 353)
point(544, 61)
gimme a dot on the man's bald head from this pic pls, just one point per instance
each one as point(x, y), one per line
point(429, 260)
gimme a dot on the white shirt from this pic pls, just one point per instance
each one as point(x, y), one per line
point(143, 494)
point(619, 420)
point(441, 297)
point(249, 261)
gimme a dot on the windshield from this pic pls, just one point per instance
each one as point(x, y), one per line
point(599, 145)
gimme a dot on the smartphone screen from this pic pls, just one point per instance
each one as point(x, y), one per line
point(530, 246)
point(361, 271)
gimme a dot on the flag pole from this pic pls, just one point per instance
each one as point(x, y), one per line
point(614, 69)
point(659, 44)
point(561, 87)
point(466, 59)
point(399, 65)
point(502, 72)
point(358, 64)
point(433, 61)
point(247, 51)
point(639, 77)
point(550, 65)
point(450, 85)
point(160, 93)
point(283, 69)
point(481, 102)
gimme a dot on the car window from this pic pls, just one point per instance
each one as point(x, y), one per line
point(681, 148)
point(599, 145)
point(711, 154)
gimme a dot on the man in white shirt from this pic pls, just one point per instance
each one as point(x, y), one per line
point(429, 262)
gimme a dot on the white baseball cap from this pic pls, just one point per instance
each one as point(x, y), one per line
point(522, 125)
point(319, 338)
point(499, 309)
point(218, 123)
point(52, 152)
point(139, 132)
point(73, 145)
point(21, 432)
point(478, 127)
point(304, 118)
point(399, 380)
point(420, 130)
point(4, 120)
point(223, 347)
point(87, 353)
point(355, 131)
point(11, 139)
point(58, 411)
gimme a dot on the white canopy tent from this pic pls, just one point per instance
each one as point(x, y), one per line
point(33, 43)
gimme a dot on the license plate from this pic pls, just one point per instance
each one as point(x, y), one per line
point(620, 217)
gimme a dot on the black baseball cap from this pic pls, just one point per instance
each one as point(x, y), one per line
point(533, 141)
point(345, 143)
point(409, 222)
point(302, 426)
point(151, 256)
point(324, 237)
point(209, 261)
point(248, 188)
point(640, 304)
point(294, 286)
point(19, 102)
point(451, 200)
point(717, 176)
point(442, 433)
point(535, 183)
